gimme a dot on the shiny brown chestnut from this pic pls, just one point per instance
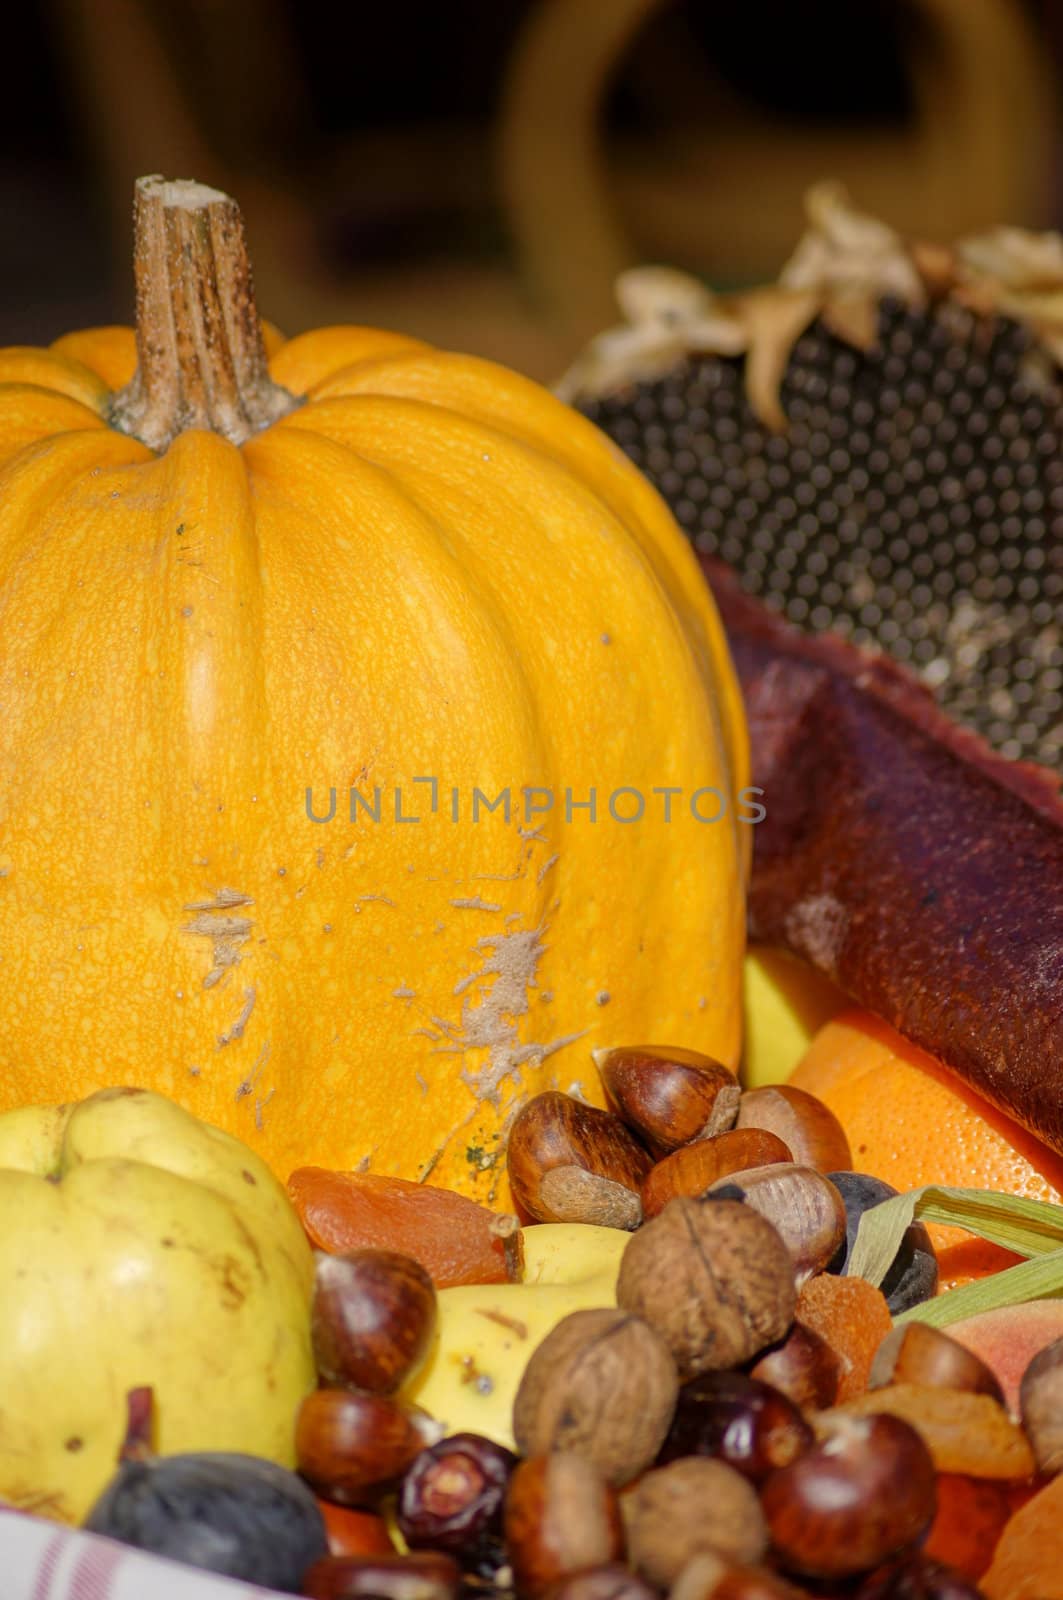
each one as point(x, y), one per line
point(864, 1493)
point(613, 1581)
point(802, 1121)
point(736, 1419)
point(668, 1096)
point(560, 1517)
point(372, 1318)
point(1041, 1406)
point(421, 1576)
point(803, 1367)
point(708, 1577)
point(554, 1137)
point(916, 1353)
point(348, 1444)
point(693, 1169)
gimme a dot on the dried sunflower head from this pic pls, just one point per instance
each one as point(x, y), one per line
point(874, 444)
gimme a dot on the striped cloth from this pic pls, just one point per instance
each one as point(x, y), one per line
point(40, 1561)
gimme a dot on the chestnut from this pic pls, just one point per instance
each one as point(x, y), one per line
point(372, 1318)
point(560, 1517)
point(693, 1169)
point(668, 1096)
point(916, 1353)
point(555, 1136)
point(602, 1383)
point(690, 1506)
point(610, 1582)
point(348, 1444)
point(802, 1204)
point(803, 1367)
point(802, 1121)
point(738, 1420)
point(708, 1577)
point(864, 1492)
point(1041, 1406)
point(422, 1576)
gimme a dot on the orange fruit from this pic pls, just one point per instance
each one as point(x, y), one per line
point(912, 1121)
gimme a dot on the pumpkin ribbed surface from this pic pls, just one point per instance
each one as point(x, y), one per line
point(430, 569)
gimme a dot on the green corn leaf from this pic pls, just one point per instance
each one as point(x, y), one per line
point(1038, 1279)
point(1031, 1228)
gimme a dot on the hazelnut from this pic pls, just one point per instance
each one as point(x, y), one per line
point(556, 1132)
point(714, 1278)
point(803, 1205)
point(601, 1384)
point(667, 1095)
point(424, 1575)
point(690, 1506)
point(917, 1353)
point(696, 1167)
point(560, 1517)
point(372, 1318)
point(707, 1577)
point(1041, 1406)
point(803, 1367)
point(802, 1121)
point(611, 1582)
point(347, 1443)
point(864, 1493)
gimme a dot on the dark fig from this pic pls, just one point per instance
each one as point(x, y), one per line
point(222, 1512)
point(913, 1275)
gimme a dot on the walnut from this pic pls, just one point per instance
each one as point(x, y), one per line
point(603, 1385)
point(714, 1278)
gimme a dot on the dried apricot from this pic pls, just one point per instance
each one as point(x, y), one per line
point(449, 1234)
point(971, 1516)
point(1028, 1564)
point(964, 1432)
point(852, 1316)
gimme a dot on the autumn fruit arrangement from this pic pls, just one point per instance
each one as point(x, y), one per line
point(377, 768)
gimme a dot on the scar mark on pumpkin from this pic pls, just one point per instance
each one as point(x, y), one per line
point(236, 1029)
point(545, 868)
point(475, 903)
point(227, 934)
point(250, 1082)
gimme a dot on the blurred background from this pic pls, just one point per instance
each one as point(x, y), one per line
point(477, 171)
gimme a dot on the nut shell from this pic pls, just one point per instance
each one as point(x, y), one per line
point(714, 1278)
point(688, 1507)
point(803, 1205)
point(603, 1385)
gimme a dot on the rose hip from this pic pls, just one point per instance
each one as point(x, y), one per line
point(451, 1498)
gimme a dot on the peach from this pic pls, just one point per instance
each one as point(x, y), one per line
point(1008, 1339)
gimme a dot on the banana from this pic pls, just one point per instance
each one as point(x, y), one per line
point(485, 1333)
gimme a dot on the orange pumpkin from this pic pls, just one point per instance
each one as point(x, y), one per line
point(228, 589)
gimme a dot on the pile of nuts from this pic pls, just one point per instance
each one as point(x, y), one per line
point(689, 1441)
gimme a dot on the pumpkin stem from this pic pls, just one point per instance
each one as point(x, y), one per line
point(201, 362)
